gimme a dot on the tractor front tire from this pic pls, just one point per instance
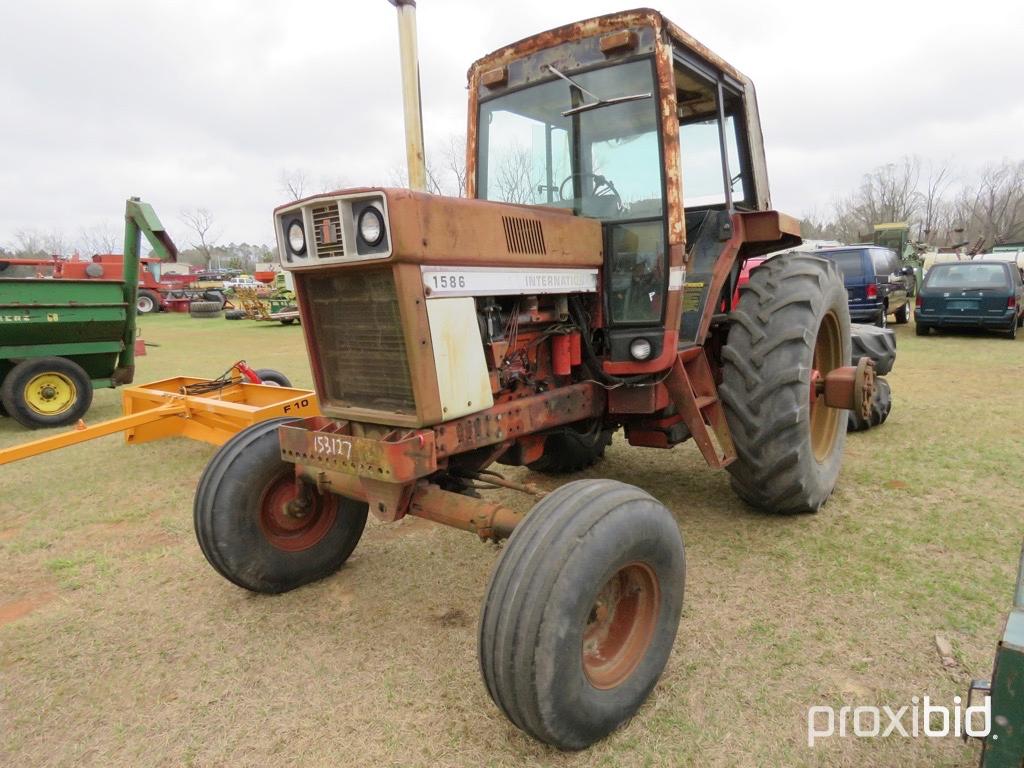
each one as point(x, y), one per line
point(792, 327)
point(46, 392)
point(249, 527)
point(572, 449)
point(581, 611)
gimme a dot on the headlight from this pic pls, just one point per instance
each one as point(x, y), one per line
point(296, 238)
point(371, 226)
point(640, 349)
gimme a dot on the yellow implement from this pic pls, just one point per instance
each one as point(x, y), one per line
point(170, 408)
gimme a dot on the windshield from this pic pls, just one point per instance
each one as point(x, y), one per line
point(602, 161)
point(967, 276)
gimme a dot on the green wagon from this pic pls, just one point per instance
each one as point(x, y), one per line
point(60, 339)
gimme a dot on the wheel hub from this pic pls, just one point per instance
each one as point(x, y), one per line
point(620, 625)
point(828, 355)
point(294, 517)
point(50, 394)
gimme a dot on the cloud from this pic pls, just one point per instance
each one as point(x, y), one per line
point(204, 104)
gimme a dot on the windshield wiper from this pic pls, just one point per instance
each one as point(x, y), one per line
point(597, 100)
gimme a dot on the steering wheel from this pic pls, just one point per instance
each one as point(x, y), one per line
point(602, 187)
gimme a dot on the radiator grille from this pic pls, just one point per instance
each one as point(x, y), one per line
point(327, 231)
point(359, 341)
point(523, 235)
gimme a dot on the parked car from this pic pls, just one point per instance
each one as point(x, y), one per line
point(876, 284)
point(242, 281)
point(971, 294)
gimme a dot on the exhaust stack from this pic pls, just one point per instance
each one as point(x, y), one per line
point(411, 93)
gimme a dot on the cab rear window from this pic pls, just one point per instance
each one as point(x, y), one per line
point(979, 276)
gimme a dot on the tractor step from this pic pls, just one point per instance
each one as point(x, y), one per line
point(692, 388)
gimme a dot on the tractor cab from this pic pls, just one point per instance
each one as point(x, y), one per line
point(608, 123)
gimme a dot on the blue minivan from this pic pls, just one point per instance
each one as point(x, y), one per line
point(876, 284)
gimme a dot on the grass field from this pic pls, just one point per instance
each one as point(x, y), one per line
point(119, 645)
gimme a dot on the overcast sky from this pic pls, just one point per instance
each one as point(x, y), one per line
point(191, 103)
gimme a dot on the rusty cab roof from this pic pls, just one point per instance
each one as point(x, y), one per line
point(602, 25)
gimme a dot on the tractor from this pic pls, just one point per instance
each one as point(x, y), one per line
point(616, 185)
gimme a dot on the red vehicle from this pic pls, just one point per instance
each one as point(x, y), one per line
point(156, 289)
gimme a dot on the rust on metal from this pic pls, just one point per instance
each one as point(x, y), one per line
point(488, 520)
point(397, 456)
point(493, 78)
point(620, 625)
point(850, 387)
point(623, 40)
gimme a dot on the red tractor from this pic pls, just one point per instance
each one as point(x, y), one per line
point(616, 185)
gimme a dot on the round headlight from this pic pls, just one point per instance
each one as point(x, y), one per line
point(296, 238)
point(371, 226)
point(640, 349)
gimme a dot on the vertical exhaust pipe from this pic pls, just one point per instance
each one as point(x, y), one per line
point(411, 93)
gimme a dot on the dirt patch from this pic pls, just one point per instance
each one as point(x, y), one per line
point(9, 533)
point(16, 609)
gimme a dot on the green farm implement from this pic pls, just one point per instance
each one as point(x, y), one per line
point(60, 339)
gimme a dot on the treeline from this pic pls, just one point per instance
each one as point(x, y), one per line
point(943, 206)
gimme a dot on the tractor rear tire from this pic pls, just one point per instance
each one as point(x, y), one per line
point(572, 450)
point(204, 308)
point(792, 325)
point(581, 611)
point(46, 392)
point(272, 377)
point(877, 343)
point(881, 404)
point(245, 530)
point(147, 301)
point(216, 296)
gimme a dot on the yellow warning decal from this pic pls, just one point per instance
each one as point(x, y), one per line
point(691, 296)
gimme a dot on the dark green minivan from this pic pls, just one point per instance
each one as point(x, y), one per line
point(971, 294)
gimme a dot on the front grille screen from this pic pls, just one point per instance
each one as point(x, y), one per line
point(359, 339)
point(327, 231)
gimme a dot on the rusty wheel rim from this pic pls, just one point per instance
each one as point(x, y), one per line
point(620, 625)
point(828, 355)
point(291, 527)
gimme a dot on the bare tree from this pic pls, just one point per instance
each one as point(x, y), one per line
point(200, 221)
point(453, 153)
point(294, 183)
point(932, 202)
point(100, 238)
point(29, 244)
point(446, 168)
point(995, 211)
point(512, 176)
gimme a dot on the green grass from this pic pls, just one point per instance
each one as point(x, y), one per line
point(128, 649)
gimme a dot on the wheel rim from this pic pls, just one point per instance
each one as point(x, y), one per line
point(620, 625)
point(828, 355)
point(50, 394)
point(144, 304)
point(288, 525)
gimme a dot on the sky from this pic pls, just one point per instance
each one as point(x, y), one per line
point(205, 103)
